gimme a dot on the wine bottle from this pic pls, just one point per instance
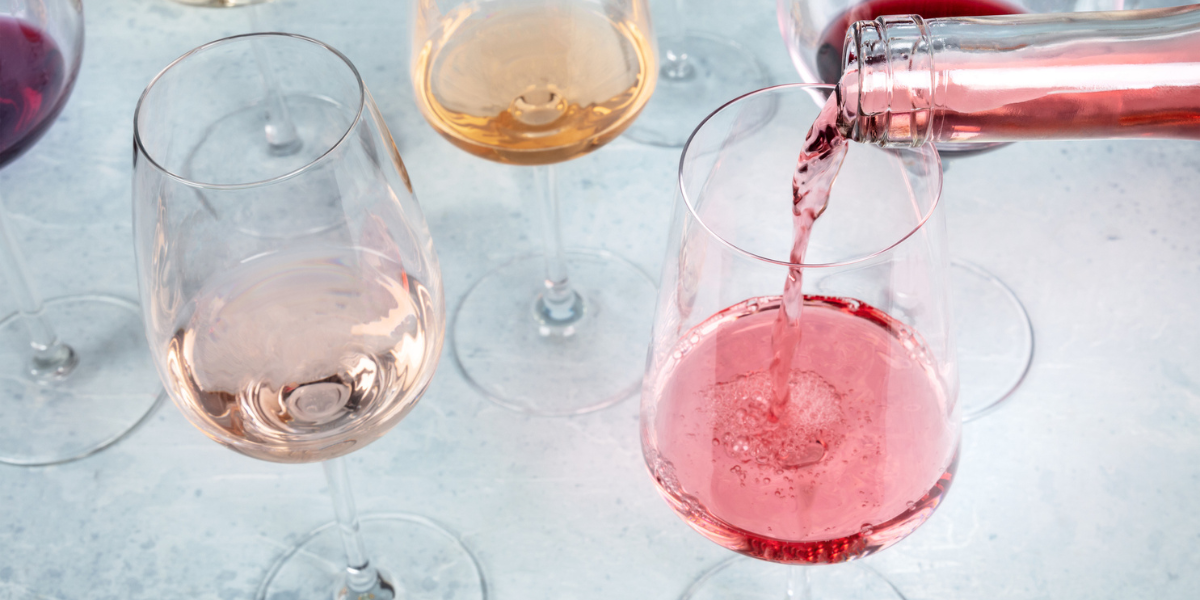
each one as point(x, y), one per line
point(907, 81)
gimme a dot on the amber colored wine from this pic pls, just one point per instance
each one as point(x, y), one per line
point(304, 357)
point(533, 86)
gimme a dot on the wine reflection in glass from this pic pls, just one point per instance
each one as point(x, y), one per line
point(698, 72)
point(293, 301)
point(61, 398)
point(535, 84)
point(995, 339)
point(861, 446)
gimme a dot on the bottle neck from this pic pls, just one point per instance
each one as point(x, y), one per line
point(908, 81)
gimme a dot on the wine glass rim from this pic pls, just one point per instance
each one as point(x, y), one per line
point(688, 201)
point(141, 148)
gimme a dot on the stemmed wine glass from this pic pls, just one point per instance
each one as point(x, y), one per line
point(995, 335)
point(698, 72)
point(293, 301)
point(61, 398)
point(535, 84)
point(864, 443)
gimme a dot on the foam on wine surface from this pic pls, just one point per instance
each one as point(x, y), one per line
point(304, 357)
point(858, 457)
point(533, 85)
point(33, 89)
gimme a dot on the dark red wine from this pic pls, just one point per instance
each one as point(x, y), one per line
point(32, 86)
point(829, 54)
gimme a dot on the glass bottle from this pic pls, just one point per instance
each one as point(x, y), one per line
point(1124, 74)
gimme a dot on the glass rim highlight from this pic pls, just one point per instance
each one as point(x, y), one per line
point(140, 148)
point(809, 87)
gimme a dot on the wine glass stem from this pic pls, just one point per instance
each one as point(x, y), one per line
point(558, 304)
point(361, 576)
point(676, 64)
point(798, 584)
point(280, 129)
point(50, 358)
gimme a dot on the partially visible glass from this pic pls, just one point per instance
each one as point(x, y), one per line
point(864, 445)
point(293, 301)
point(699, 70)
point(74, 375)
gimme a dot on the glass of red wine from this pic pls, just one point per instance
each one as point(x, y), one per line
point(861, 444)
point(995, 335)
point(61, 398)
point(293, 300)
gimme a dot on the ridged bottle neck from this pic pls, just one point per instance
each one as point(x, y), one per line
point(908, 81)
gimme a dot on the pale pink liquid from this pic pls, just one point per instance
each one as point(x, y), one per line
point(818, 165)
point(857, 459)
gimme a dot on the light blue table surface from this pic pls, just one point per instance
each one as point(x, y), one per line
point(1085, 485)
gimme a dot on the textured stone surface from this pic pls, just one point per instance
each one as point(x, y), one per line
point(1084, 486)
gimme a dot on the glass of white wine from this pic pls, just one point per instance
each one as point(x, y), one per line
point(292, 300)
point(535, 84)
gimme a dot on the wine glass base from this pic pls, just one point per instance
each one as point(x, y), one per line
point(506, 354)
point(420, 558)
point(110, 392)
point(717, 71)
point(994, 335)
point(744, 578)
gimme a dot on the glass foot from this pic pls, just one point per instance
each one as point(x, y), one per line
point(512, 356)
point(994, 335)
point(698, 73)
point(744, 578)
point(419, 560)
point(111, 390)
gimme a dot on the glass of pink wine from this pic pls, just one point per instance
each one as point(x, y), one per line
point(534, 84)
point(995, 335)
point(293, 300)
point(849, 444)
point(61, 398)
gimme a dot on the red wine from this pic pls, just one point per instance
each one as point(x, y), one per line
point(859, 457)
point(829, 54)
point(33, 87)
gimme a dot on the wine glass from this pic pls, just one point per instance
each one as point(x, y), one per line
point(864, 444)
point(64, 398)
point(995, 337)
point(293, 301)
point(536, 84)
point(698, 72)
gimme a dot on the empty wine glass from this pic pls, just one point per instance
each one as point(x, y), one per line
point(698, 72)
point(61, 398)
point(995, 337)
point(864, 444)
point(293, 301)
point(535, 84)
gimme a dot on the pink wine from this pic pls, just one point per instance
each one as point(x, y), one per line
point(304, 357)
point(816, 169)
point(33, 89)
point(829, 54)
point(856, 460)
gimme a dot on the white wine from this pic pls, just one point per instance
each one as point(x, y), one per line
point(533, 86)
point(304, 357)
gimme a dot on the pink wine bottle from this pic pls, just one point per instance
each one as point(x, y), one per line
point(908, 81)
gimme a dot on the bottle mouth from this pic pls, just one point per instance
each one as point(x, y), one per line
point(885, 94)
